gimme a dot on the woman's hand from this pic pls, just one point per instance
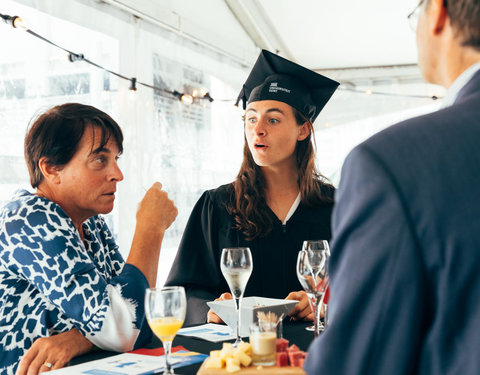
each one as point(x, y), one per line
point(302, 310)
point(156, 212)
point(54, 352)
point(211, 316)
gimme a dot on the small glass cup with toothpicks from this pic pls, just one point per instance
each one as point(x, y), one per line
point(263, 339)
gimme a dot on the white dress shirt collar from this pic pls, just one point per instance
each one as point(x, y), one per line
point(458, 84)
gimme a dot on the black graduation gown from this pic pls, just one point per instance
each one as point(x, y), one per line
point(210, 228)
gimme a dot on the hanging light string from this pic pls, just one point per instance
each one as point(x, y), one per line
point(197, 95)
point(371, 92)
point(16, 22)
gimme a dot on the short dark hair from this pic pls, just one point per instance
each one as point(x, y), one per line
point(465, 19)
point(56, 134)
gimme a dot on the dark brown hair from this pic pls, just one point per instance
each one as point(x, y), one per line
point(247, 202)
point(465, 19)
point(56, 134)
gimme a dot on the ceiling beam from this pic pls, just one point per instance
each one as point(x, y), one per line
point(251, 16)
point(175, 28)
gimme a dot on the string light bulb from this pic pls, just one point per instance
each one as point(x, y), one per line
point(13, 21)
point(133, 88)
point(184, 98)
point(18, 23)
point(369, 92)
point(187, 99)
point(72, 57)
point(133, 85)
point(207, 96)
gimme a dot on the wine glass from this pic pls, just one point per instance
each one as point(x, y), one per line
point(236, 265)
point(312, 263)
point(165, 309)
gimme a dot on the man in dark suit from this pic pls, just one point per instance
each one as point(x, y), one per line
point(405, 264)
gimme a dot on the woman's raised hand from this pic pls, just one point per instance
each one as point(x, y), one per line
point(156, 210)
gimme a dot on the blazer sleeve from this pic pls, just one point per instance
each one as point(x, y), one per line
point(377, 277)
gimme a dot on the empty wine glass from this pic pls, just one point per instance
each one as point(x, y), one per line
point(312, 263)
point(165, 309)
point(236, 265)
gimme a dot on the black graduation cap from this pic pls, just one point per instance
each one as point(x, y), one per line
point(275, 78)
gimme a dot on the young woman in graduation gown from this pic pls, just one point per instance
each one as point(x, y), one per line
point(277, 201)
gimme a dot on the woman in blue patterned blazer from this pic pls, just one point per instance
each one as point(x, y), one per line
point(64, 286)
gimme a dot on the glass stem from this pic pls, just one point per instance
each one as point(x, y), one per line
point(167, 346)
point(325, 316)
point(238, 301)
point(318, 308)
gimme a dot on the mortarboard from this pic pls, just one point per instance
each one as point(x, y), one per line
point(275, 78)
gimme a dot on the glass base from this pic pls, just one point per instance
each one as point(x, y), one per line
point(237, 342)
point(261, 363)
point(312, 328)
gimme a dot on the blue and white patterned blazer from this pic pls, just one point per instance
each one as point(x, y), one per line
point(51, 281)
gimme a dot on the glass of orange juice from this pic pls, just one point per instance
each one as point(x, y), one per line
point(165, 309)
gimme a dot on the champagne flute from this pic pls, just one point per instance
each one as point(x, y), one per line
point(312, 263)
point(236, 265)
point(165, 309)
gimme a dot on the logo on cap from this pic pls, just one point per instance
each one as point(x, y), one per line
point(274, 88)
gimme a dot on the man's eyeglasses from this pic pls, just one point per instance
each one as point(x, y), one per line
point(413, 16)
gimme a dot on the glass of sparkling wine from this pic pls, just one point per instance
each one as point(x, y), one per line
point(312, 272)
point(165, 309)
point(236, 265)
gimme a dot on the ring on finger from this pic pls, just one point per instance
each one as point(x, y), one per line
point(48, 364)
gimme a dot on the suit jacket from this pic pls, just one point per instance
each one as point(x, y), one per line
point(405, 264)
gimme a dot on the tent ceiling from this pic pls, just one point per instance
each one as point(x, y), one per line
point(317, 33)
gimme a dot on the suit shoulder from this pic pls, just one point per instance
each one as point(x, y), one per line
point(462, 114)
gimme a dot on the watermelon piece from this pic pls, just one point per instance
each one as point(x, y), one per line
point(326, 297)
point(293, 348)
point(296, 358)
point(282, 359)
point(282, 345)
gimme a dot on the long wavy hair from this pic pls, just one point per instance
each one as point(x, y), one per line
point(247, 202)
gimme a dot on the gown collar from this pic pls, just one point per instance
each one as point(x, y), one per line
point(293, 208)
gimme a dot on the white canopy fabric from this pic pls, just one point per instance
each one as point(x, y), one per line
point(319, 34)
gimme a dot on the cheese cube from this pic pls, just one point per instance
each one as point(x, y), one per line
point(227, 351)
point(244, 359)
point(215, 354)
point(214, 363)
point(245, 347)
point(233, 365)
